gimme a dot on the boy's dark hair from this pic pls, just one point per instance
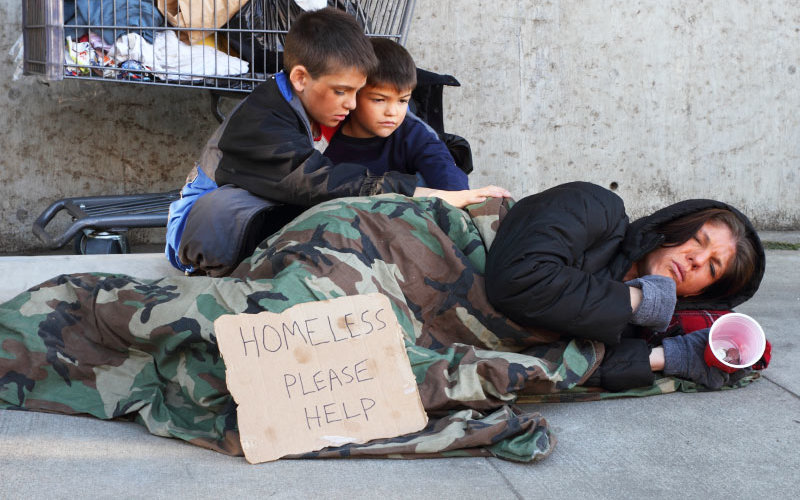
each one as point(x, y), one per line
point(326, 41)
point(395, 66)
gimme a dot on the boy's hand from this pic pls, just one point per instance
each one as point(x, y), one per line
point(461, 199)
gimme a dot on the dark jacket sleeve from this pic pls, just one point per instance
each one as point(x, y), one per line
point(624, 366)
point(266, 150)
point(429, 156)
point(546, 265)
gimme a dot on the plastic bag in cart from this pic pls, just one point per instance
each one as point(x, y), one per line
point(263, 50)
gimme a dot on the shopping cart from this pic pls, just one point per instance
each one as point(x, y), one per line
point(229, 51)
point(225, 45)
point(101, 223)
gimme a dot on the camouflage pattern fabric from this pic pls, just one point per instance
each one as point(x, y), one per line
point(663, 385)
point(114, 346)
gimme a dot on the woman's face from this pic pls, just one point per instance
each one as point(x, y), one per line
point(696, 263)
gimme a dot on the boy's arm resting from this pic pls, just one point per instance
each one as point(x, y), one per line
point(460, 199)
point(317, 179)
point(312, 180)
point(429, 156)
point(267, 150)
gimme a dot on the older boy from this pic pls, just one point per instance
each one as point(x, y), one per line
point(268, 144)
point(263, 155)
point(380, 133)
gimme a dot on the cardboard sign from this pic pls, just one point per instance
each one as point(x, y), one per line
point(319, 374)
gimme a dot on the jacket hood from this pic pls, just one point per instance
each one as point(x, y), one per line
point(642, 237)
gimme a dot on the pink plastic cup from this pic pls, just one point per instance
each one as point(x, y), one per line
point(735, 341)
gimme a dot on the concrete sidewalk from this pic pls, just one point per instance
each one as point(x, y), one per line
point(728, 444)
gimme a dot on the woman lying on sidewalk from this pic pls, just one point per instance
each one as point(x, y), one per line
point(567, 259)
point(116, 346)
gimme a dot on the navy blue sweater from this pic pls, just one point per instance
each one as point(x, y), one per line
point(412, 148)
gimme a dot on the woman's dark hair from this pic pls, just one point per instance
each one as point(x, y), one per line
point(741, 269)
point(326, 41)
point(395, 66)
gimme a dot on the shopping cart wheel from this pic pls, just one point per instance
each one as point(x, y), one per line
point(100, 243)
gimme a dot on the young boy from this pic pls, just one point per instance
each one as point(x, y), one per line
point(380, 133)
point(268, 144)
point(263, 155)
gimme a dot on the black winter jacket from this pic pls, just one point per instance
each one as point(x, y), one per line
point(558, 261)
point(267, 149)
point(263, 158)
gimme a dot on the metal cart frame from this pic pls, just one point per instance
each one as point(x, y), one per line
point(100, 223)
point(45, 32)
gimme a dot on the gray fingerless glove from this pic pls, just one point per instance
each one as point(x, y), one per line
point(683, 357)
point(658, 301)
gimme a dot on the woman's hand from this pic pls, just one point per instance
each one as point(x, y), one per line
point(657, 359)
point(683, 357)
point(461, 199)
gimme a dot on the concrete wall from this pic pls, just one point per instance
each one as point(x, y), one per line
point(79, 138)
point(665, 100)
point(668, 99)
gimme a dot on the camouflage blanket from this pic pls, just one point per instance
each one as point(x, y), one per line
point(114, 346)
